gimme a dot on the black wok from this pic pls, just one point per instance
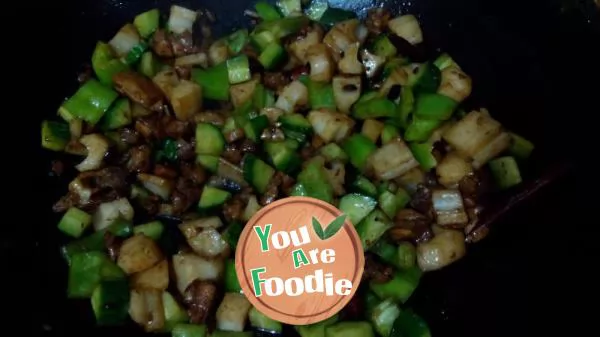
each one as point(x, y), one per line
point(529, 61)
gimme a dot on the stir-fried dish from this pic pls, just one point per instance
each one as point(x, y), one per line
point(179, 138)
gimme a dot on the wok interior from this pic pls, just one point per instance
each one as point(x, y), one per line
point(511, 54)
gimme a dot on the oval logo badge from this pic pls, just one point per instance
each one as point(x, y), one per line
point(299, 260)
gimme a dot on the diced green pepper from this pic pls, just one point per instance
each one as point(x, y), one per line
point(407, 255)
point(85, 273)
point(209, 140)
point(147, 22)
point(357, 206)
point(288, 7)
point(424, 155)
point(405, 108)
point(372, 228)
point(266, 11)
point(333, 152)
point(389, 133)
point(383, 316)
point(374, 108)
point(95, 241)
point(189, 330)
point(214, 81)
point(255, 126)
point(257, 172)
point(420, 130)
point(55, 135)
point(401, 287)
point(520, 147)
point(426, 79)
point(283, 27)
point(209, 162)
point(261, 40)
point(409, 324)
point(135, 54)
point(316, 329)
point(237, 41)
point(434, 106)
point(117, 116)
point(153, 230)
point(331, 16)
point(110, 302)
point(506, 172)
point(167, 150)
point(232, 284)
point(238, 69)
point(321, 96)
point(91, 101)
point(272, 56)
point(74, 222)
point(383, 47)
point(386, 251)
point(316, 9)
point(262, 322)
point(262, 97)
point(232, 233)
point(359, 148)
point(105, 64)
point(444, 61)
point(314, 179)
point(149, 65)
point(174, 314)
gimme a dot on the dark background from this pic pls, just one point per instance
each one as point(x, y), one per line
point(530, 61)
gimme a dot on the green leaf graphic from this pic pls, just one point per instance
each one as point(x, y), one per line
point(335, 226)
point(318, 229)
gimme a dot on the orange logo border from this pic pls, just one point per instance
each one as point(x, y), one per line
point(278, 315)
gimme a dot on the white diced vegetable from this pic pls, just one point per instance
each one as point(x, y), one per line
point(181, 19)
point(97, 147)
point(189, 267)
point(208, 243)
point(492, 150)
point(300, 47)
point(218, 52)
point(292, 95)
point(349, 64)
point(446, 247)
point(146, 309)
point(156, 277)
point(109, 212)
point(372, 129)
point(272, 114)
point(346, 91)
point(330, 126)
point(472, 133)
point(321, 64)
point(393, 160)
point(186, 99)
point(251, 208)
point(240, 93)
point(166, 80)
point(198, 59)
point(407, 27)
point(126, 38)
point(157, 185)
point(448, 207)
point(455, 84)
point(452, 169)
point(232, 312)
point(138, 253)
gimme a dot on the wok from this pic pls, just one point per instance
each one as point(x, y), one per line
point(529, 61)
